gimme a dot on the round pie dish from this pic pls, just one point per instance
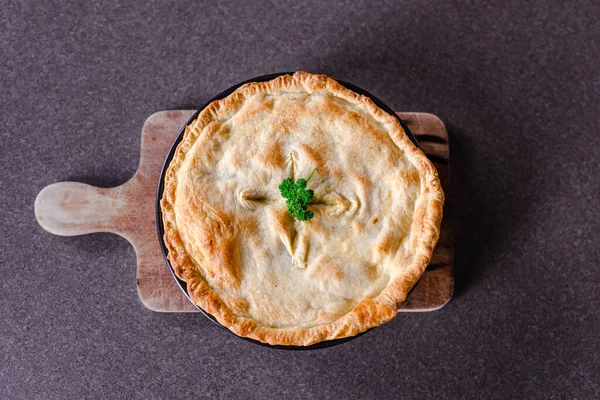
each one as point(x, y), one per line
point(249, 263)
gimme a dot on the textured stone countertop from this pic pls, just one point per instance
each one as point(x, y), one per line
point(518, 85)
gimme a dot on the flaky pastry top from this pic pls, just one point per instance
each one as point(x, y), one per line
point(261, 273)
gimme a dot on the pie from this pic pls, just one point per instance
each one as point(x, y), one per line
point(262, 273)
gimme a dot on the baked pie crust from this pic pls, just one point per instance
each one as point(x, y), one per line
point(266, 276)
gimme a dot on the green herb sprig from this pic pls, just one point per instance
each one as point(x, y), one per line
point(297, 197)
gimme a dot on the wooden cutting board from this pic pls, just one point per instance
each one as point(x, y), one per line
point(71, 208)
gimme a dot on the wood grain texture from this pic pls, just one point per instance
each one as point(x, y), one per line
point(436, 286)
point(71, 208)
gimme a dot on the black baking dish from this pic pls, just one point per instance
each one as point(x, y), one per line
point(160, 188)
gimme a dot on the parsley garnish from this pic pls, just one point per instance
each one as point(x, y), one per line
point(297, 197)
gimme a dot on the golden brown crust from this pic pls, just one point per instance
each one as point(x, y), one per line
point(423, 232)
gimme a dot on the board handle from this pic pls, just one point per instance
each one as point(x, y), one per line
point(72, 208)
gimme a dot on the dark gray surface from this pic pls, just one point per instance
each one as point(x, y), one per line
point(518, 84)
